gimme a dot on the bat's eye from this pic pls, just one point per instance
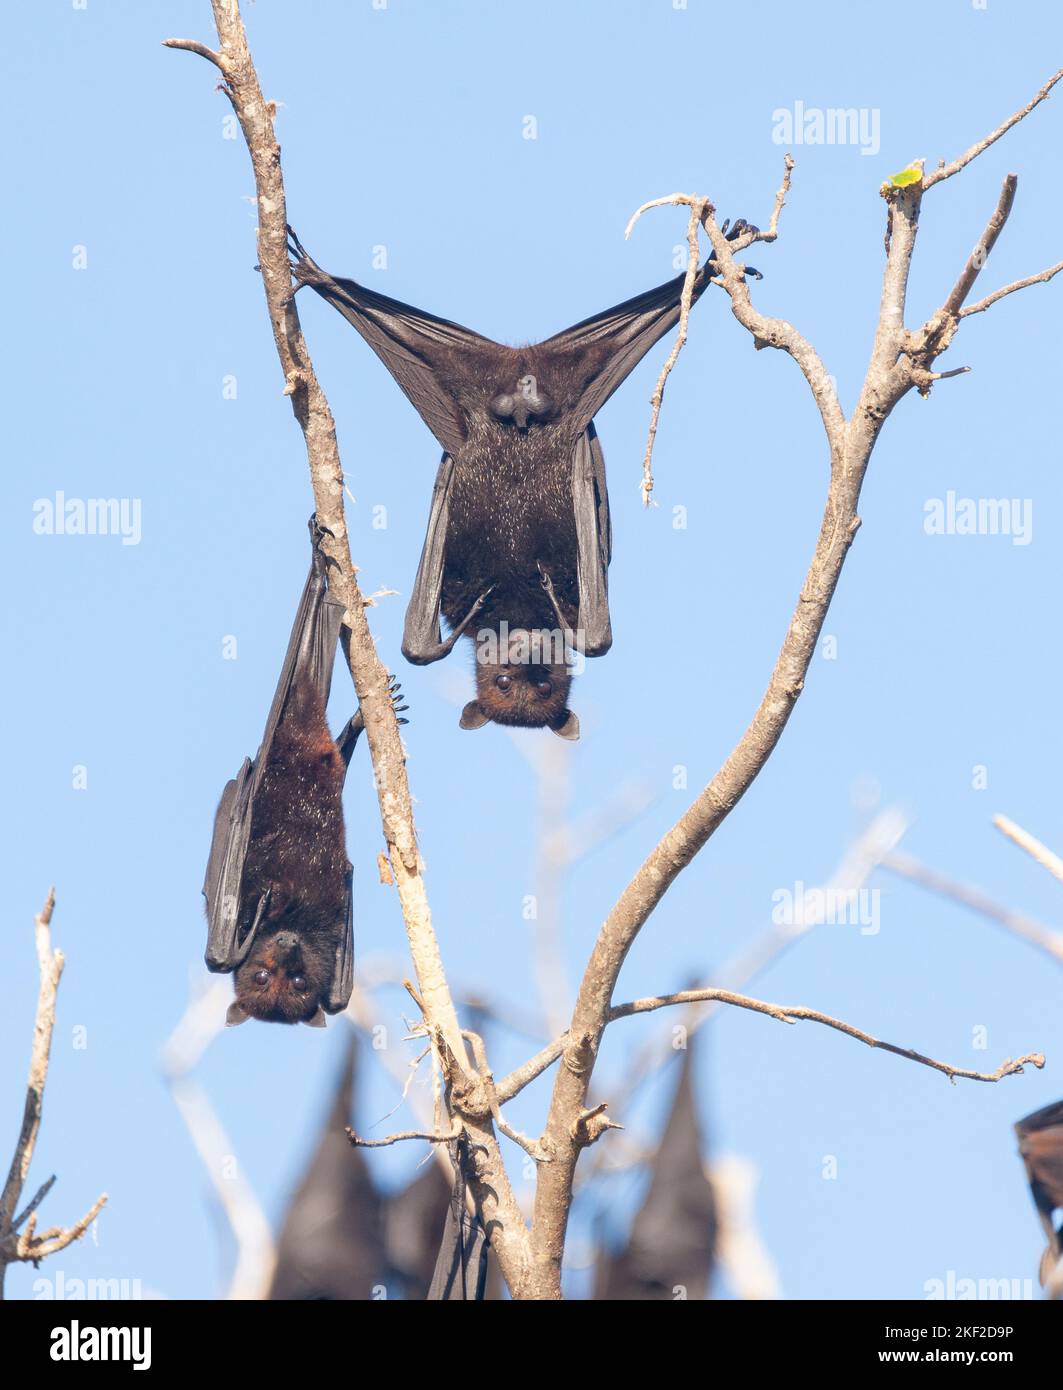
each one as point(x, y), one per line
point(299, 983)
point(261, 977)
point(503, 682)
point(544, 688)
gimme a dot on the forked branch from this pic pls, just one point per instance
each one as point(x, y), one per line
point(900, 361)
point(30, 1244)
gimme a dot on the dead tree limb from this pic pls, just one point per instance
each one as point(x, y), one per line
point(33, 1245)
point(900, 362)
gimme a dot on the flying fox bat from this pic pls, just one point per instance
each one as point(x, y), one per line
point(331, 1243)
point(518, 542)
point(1041, 1147)
point(674, 1236)
point(278, 883)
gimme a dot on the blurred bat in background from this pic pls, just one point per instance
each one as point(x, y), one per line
point(278, 884)
point(672, 1245)
point(1041, 1147)
point(518, 536)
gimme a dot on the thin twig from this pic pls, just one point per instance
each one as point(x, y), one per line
point(1041, 279)
point(907, 866)
point(32, 1247)
point(194, 46)
point(946, 171)
point(358, 1142)
point(1047, 858)
point(980, 255)
point(697, 210)
point(787, 1013)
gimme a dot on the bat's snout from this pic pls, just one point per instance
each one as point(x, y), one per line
point(285, 944)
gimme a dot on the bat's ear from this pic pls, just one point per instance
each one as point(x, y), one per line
point(318, 1020)
point(569, 729)
point(473, 717)
point(235, 1014)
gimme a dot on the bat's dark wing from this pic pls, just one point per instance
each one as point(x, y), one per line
point(461, 1265)
point(417, 348)
point(421, 642)
point(599, 354)
point(605, 349)
point(594, 544)
point(311, 652)
point(1041, 1147)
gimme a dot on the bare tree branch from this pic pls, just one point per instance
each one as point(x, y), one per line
point(357, 1142)
point(980, 255)
point(946, 171)
point(1040, 853)
point(698, 207)
point(256, 1254)
point(787, 1013)
point(28, 1244)
point(907, 866)
point(900, 361)
point(1040, 279)
point(697, 210)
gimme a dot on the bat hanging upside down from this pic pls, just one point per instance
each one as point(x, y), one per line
point(278, 885)
point(519, 542)
point(1041, 1146)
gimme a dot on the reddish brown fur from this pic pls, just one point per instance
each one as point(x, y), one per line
point(297, 851)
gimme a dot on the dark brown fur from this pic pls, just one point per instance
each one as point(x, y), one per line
point(296, 851)
point(511, 513)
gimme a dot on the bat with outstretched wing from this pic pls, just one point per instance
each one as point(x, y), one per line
point(518, 545)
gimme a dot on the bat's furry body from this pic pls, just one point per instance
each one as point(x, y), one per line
point(297, 856)
point(278, 883)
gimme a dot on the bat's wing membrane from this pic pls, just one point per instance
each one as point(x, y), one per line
point(614, 342)
point(232, 827)
point(594, 544)
point(342, 986)
point(416, 347)
point(311, 650)
point(421, 641)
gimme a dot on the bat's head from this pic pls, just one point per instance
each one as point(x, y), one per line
point(280, 982)
point(523, 682)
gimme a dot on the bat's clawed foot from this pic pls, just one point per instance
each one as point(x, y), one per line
point(304, 270)
point(732, 233)
point(318, 532)
point(395, 691)
point(739, 227)
point(295, 246)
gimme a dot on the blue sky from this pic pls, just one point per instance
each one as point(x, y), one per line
point(403, 128)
